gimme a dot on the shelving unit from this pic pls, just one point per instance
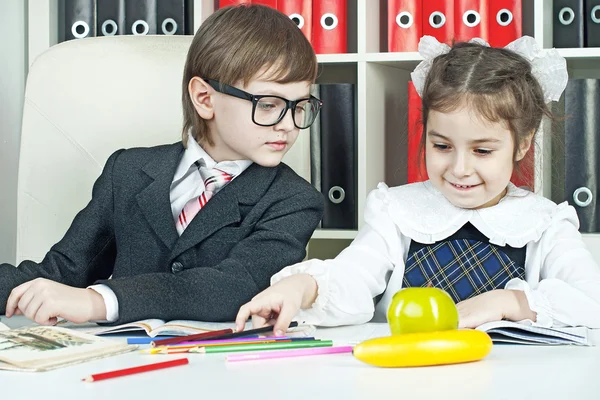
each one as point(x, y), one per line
point(381, 81)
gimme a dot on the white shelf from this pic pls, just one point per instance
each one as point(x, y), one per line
point(408, 60)
point(338, 58)
point(334, 234)
point(582, 59)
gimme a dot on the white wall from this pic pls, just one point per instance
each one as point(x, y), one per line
point(13, 64)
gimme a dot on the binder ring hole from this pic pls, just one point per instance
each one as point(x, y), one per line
point(404, 20)
point(135, 27)
point(329, 21)
point(566, 15)
point(437, 19)
point(298, 20)
point(595, 14)
point(587, 199)
point(336, 194)
point(109, 28)
point(471, 18)
point(169, 26)
point(504, 17)
point(80, 29)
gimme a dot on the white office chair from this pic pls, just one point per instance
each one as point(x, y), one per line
point(84, 100)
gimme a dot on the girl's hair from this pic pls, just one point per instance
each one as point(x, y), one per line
point(497, 83)
point(234, 44)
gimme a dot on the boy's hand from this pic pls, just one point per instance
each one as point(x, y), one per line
point(494, 305)
point(43, 301)
point(278, 304)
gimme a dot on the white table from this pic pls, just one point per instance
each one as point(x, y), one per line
point(509, 372)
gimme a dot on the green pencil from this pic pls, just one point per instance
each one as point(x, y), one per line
point(264, 346)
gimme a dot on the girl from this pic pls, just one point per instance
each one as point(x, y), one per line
point(500, 252)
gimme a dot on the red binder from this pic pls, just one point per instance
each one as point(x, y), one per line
point(329, 26)
point(404, 25)
point(504, 22)
point(470, 20)
point(416, 171)
point(438, 20)
point(226, 3)
point(300, 11)
point(268, 3)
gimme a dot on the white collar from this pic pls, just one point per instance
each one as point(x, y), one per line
point(422, 213)
point(194, 152)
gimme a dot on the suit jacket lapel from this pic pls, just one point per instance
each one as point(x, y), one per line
point(155, 200)
point(223, 209)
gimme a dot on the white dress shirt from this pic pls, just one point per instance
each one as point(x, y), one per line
point(562, 280)
point(187, 184)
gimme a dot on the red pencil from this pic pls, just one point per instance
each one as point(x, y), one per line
point(135, 370)
point(188, 338)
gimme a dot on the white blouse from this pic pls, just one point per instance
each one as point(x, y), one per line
point(562, 280)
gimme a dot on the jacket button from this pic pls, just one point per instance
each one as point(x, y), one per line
point(176, 267)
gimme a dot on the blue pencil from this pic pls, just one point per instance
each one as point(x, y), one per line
point(144, 340)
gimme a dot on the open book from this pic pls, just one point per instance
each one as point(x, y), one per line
point(158, 327)
point(527, 333)
point(40, 348)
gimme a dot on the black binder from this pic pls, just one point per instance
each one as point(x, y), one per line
point(568, 23)
point(338, 156)
point(592, 23)
point(173, 17)
point(141, 17)
point(582, 150)
point(79, 19)
point(110, 17)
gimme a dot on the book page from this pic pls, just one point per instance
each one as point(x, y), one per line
point(147, 325)
point(46, 347)
point(189, 327)
point(528, 332)
point(3, 327)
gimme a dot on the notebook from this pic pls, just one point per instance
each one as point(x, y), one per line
point(41, 348)
point(527, 333)
point(158, 327)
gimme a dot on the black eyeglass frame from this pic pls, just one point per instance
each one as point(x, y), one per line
point(254, 98)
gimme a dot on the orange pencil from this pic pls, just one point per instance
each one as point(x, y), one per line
point(190, 346)
point(136, 370)
point(192, 349)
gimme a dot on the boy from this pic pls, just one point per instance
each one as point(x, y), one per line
point(174, 251)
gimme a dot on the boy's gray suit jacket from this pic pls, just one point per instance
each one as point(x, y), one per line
point(251, 229)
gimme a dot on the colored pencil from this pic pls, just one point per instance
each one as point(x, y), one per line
point(145, 340)
point(264, 329)
point(167, 349)
point(213, 335)
point(260, 347)
point(135, 370)
point(244, 339)
point(187, 338)
point(289, 353)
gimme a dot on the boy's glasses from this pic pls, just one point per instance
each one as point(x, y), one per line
point(269, 110)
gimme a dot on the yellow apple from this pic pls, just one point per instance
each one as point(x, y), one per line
point(421, 310)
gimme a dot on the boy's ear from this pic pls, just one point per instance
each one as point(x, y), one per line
point(524, 147)
point(199, 92)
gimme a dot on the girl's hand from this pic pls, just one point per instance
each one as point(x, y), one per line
point(278, 304)
point(494, 305)
point(43, 301)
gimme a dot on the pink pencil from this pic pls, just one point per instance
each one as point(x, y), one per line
point(289, 353)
